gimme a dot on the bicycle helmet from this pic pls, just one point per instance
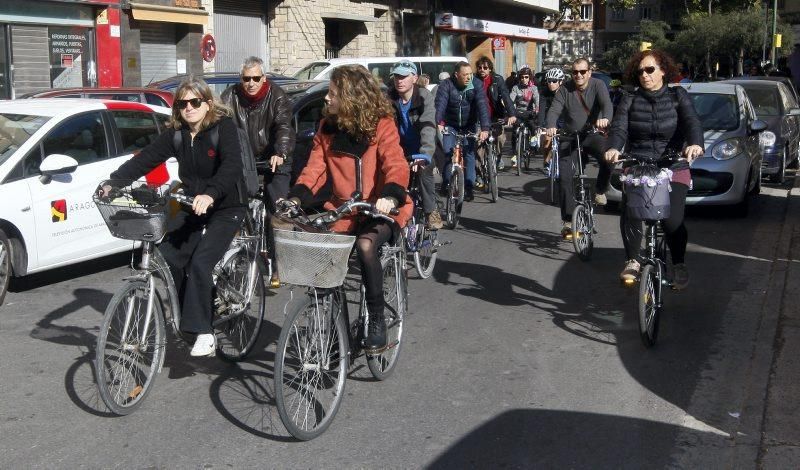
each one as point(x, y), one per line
point(525, 71)
point(554, 73)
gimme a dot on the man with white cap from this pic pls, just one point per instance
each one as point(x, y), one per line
point(415, 114)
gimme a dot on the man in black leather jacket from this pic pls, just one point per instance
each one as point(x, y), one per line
point(264, 110)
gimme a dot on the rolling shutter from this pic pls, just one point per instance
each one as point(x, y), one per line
point(31, 52)
point(159, 52)
point(240, 32)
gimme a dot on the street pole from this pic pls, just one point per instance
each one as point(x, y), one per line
point(774, 31)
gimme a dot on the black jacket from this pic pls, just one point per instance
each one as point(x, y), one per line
point(201, 168)
point(652, 122)
point(545, 100)
point(501, 98)
point(268, 123)
point(462, 108)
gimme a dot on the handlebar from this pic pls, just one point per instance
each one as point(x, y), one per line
point(464, 135)
point(293, 211)
point(672, 155)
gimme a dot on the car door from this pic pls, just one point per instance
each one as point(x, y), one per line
point(751, 141)
point(791, 124)
point(69, 227)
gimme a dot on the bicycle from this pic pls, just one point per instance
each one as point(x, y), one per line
point(318, 343)
point(131, 344)
point(420, 240)
point(554, 177)
point(454, 200)
point(490, 161)
point(583, 223)
point(525, 147)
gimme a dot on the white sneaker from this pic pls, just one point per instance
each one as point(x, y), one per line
point(206, 345)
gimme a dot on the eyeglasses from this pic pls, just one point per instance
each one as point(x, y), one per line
point(579, 72)
point(256, 78)
point(526, 77)
point(195, 102)
point(553, 80)
point(485, 67)
point(648, 70)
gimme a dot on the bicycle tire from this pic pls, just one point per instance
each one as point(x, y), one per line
point(395, 294)
point(520, 148)
point(312, 333)
point(582, 236)
point(649, 304)
point(126, 368)
point(491, 162)
point(555, 187)
point(5, 265)
point(455, 198)
point(237, 331)
point(425, 254)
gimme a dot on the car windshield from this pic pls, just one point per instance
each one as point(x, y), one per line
point(15, 130)
point(716, 111)
point(765, 100)
point(310, 71)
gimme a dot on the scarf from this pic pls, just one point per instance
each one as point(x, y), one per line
point(251, 101)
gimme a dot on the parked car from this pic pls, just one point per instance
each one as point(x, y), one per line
point(53, 154)
point(785, 80)
point(218, 81)
point(775, 105)
point(134, 94)
point(729, 171)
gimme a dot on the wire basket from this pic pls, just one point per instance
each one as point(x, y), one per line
point(312, 259)
point(128, 218)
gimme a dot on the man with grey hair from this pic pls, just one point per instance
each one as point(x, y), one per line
point(264, 111)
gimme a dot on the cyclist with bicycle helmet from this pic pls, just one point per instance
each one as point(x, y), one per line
point(525, 97)
point(553, 80)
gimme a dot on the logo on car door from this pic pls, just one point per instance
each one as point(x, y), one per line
point(58, 209)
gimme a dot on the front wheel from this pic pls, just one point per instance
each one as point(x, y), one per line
point(130, 350)
point(455, 198)
point(522, 145)
point(395, 295)
point(5, 265)
point(311, 365)
point(649, 304)
point(555, 182)
point(239, 304)
point(491, 185)
point(425, 254)
point(582, 232)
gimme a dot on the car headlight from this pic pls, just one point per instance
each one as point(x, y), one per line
point(727, 149)
point(767, 139)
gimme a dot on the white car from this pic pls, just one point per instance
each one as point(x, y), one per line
point(53, 154)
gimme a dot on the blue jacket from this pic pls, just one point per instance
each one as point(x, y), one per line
point(462, 108)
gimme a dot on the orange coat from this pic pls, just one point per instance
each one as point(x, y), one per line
point(384, 170)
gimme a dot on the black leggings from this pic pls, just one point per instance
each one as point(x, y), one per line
point(674, 228)
point(371, 235)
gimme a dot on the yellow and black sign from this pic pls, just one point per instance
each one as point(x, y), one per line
point(58, 209)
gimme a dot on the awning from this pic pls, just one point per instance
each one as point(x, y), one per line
point(348, 17)
point(146, 12)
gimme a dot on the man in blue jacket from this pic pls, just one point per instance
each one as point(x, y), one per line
point(461, 107)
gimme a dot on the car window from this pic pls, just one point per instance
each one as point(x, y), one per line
point(765, 100)
point(156, 100)
point(132, 97)
point(310, 116)
point(310, 71)
point(717, 111)
point(433, 69)
point(786, 98)
point(15, 130)
point(137, 129)
point(28, 166)
point(380, 71)
point(81, 137)
point(66, 96)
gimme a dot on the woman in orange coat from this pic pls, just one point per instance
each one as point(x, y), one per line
point(359, 122)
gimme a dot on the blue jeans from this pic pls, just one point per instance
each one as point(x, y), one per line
point(468, 148)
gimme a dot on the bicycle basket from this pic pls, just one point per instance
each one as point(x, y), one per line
point(312, 259)
point(647, 192)
point(127, 218)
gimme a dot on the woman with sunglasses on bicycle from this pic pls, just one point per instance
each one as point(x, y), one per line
point(359, 123)
point(652, 120)
point(525, 97)
point(210, 173)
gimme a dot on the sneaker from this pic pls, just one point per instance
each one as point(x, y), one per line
point(514, 161)
point(680, 277)
point(566, 231)
point(546, 169)
point(600, 199)
point(479, 182)
point(275, 280)
point(631, 272)
point(500, 164)
point(204, 346)
point(435, 220)
point(376, 333)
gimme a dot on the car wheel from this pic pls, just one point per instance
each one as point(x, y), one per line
point(780, 176)
point(5, 265)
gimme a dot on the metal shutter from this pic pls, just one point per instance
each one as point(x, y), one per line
point(31, 58)
point(159, 52)
point(240, 31)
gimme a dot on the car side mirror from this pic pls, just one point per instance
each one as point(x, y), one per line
point(56, 164)
point(758, 125)
point(794, 112)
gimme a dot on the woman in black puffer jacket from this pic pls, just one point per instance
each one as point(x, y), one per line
point(649, 122)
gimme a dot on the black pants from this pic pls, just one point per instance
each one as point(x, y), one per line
point(371, 235)
point(276, 186)
point(674, 228)
point(427, 188)
point(594, 145)
point(191, 256)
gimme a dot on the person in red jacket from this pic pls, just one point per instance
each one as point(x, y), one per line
point(359, 122)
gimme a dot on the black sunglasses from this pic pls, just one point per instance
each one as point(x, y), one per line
point(553, 80)
point(525, 76)
point(195, 102)
point(485, 67)
point(580, 72)
point(256, 78)
point(649, 70)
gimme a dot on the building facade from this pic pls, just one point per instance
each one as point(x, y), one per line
point(571, 35)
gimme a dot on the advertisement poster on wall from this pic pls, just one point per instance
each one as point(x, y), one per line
point(68, 46)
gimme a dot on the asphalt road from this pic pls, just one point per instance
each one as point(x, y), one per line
point(517, 355)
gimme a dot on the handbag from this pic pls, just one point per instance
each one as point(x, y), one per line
point(647, 189)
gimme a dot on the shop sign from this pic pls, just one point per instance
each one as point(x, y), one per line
point(67, 46)
point(460, 23)
point(208, 48)
point(499, 44)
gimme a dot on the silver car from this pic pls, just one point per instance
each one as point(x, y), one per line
point(730, 170)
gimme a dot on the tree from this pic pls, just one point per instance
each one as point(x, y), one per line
point(654, 32)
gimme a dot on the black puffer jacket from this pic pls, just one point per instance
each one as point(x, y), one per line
point(268, 123)
point(652, 122)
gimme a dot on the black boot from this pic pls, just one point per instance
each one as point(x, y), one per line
point(376, 332)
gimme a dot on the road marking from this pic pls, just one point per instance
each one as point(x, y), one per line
point(691, 422)
point(712, 251)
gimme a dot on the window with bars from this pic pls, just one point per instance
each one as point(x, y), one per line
point(645, 12)
point(566, 47)
point(586, 12)
point(585, 47)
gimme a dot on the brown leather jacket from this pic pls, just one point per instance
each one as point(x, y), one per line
point(268, 123)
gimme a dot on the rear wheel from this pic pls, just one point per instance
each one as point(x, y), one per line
point(522, 145)
point(555, 182)
point(455, 198)
point(5, 265)
point(649, 304)
point(395, 294)
point(425, 254)
point(582, 236)
point(491, 164)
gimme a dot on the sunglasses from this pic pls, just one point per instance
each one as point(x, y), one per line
point(525, 77)
point(579, 72)
point(195, 102)
point(256, 78)
point(553, 80)
point(484, 67)
point(648, 70)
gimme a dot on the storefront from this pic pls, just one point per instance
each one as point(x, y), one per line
point(58, 44)
point(509, 46)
